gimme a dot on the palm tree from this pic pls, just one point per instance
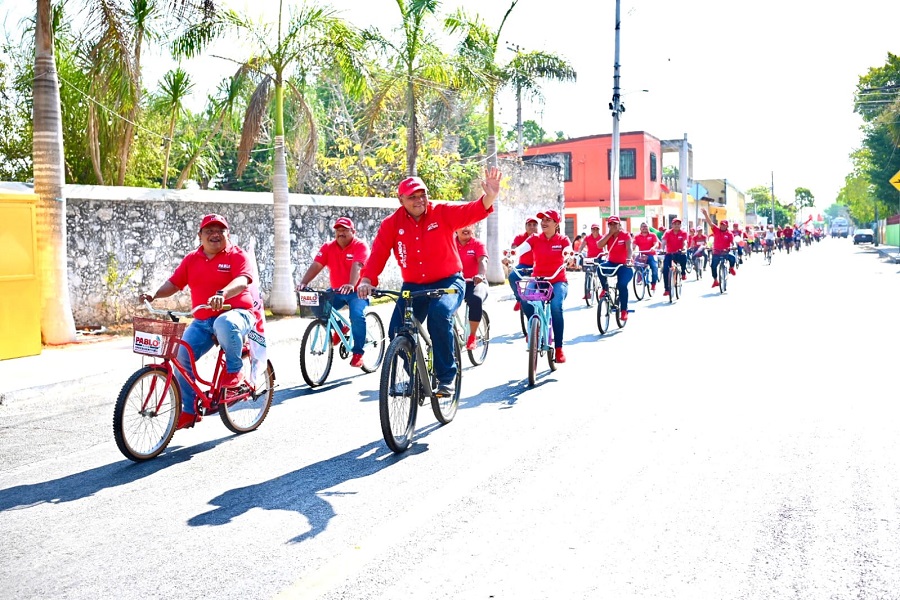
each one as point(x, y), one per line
point(416, 64)
point(313, 38)
point(482, 73)
point(175, 88)
point(57, 323)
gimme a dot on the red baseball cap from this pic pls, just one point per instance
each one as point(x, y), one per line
point(531, 220)
point(343, 222)
point(676, 220)
point(549, 214)
point(410, 186)
point(723, 222)
point(210, 219)
point(595, 226)
point(614, 219)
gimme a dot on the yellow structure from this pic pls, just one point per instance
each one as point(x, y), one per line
point(20, 284)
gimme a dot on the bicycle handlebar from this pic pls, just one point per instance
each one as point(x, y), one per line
point(175, 313)
point(397, 294)
point(545, 277)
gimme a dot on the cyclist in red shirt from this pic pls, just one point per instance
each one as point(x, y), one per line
point(787, 234)
point(590, 248)
point(421, 236)
point(216, 271)
point(474, 259)
point(344, 258)
point(722, 242)
point(674, 241)
point(526, 261)
point(647, 243)
point(697, 244)
point(550, 249)
point(618, 243)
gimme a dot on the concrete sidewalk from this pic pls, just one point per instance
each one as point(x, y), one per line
point(96, 355)
point(891, 252)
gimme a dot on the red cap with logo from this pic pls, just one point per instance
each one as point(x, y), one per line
point(723, 222)
point(343, 222)
point(614, 219)
point(676, 220)
point(531, 220)
point(213, 219)
point(410, 186)
point(549, 214)
point(595, 226)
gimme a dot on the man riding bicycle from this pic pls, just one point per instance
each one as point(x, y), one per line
point(674, 242)
point(722, 242)
point(647, 244)
point(618, 243)
point(344, 258)
point(592, 250)
point(421, 236)
point(217, 271)
point(474, 259)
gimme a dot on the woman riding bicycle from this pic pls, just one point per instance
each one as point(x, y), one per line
point(474, 259)
point(216, 271)
point(647, 244)
point(618, 244)
point(549, 249)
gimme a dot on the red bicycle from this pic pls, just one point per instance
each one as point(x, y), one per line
point(149, 404)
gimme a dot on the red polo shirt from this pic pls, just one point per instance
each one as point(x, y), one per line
point(722, 240)
point(425, 250)
point(675, 240)
point(618, 247)
point(527, 258)
point(205, 276)
point(469, 254)
point(590, 244)
point(645, 243)
point(548, 255)
point(340, 260)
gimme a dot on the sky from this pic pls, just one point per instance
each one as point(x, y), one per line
point(763, 90)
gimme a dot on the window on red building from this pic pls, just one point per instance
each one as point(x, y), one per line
point(627, 163)
point(652, 166)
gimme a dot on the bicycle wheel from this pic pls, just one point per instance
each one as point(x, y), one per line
point(249, 413)
point(397, 394)
point(723, 275)
point(316, 353)
point(688, 266)
point(638, 283)
point(482, 339)
point(534, 347)
point(673, 276)
point(522, 321)
point(443, 407)
point(373, 349)
point(698, 269)
point(603, 314)
point(678, 283)
point(590, 285)
point(551, 349)
point(146, 412)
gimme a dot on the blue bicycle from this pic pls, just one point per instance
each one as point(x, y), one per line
point(538, 291)
point(329, 329)
point(642, 276)
point(609, 302)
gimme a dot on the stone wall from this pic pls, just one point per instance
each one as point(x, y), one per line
point(122, 241)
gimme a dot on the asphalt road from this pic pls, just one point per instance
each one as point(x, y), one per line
point(725, 446)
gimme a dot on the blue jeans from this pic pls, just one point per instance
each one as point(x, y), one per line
point(357, 317)
point(437, 314)
point(623, 278)
point(560, 291)
point(717, 258)
point(680, 258)
point(230, 328)
point(514, 277)
point(654, 269)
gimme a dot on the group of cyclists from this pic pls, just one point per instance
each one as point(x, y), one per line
point(434, 246)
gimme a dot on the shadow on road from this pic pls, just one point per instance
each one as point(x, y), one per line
point(302, 491)
point(87, 483)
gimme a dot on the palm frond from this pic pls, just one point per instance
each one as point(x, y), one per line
point(256, 112)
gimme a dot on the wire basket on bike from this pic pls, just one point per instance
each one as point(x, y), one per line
point(534, 290)
point(317, 301)
point(153, 337)
point(640, 259)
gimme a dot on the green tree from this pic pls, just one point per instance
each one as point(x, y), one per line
point(480, 71)
point(15, 121)
point(312, 38)
point(175, 88)
point(762, 206)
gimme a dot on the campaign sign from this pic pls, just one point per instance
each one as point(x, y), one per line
point(308, 298)
point(148, 343)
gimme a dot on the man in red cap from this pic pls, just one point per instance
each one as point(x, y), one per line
point(722, 242)
point(421, 236)
point(618, 244)
point(647, 244)
point(674, 242)
point(526, 261)
point(217, 271)
point(344, 258)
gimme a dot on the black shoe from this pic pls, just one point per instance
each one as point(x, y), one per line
point(445, 390)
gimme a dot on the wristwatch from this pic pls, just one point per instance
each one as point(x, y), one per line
point(220, 293)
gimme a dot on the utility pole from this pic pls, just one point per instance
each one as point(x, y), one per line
point(772, 191)
point(683, 177)
point(520, 144)
point(617, 109)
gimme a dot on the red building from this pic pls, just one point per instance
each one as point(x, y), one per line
point(585, 163)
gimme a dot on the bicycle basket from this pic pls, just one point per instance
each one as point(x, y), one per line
point(318, 302)
point(534, 290)
point(153, 337)
point(640, 260)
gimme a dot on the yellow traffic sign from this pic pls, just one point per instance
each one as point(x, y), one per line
point(895, 180)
